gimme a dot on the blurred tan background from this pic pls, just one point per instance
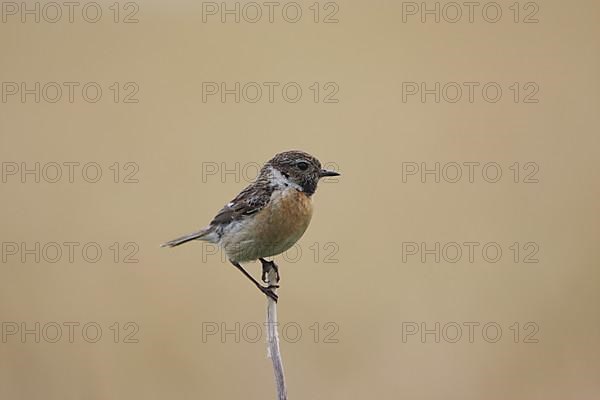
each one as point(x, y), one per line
point(351, 271)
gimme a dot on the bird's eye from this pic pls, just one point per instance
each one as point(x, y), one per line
point(302, 165)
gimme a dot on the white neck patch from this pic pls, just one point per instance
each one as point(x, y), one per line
point(279, 180)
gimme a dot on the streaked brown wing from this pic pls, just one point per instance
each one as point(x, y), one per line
point(250, 200)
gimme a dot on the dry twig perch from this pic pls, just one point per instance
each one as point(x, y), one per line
point(273, 338)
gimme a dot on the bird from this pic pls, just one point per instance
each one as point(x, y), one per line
point(267, 217)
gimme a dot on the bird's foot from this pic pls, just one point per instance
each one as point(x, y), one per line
point(270, 292)
point(266, 268)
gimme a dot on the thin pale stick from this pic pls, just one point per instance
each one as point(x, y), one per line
point(273, 340)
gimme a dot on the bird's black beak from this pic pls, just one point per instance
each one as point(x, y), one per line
point(324, 172)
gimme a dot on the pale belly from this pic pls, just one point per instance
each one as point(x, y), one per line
point(272, 230)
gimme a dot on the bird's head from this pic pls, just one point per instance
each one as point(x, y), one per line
point(298, 168)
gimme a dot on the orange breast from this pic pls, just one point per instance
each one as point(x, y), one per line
point(285, 220)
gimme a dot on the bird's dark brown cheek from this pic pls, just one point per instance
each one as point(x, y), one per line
point(309, 186)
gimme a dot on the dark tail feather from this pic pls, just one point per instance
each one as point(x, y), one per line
point(185, 239)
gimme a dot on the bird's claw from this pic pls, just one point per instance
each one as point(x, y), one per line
point(269, 291)
point(266, 268)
